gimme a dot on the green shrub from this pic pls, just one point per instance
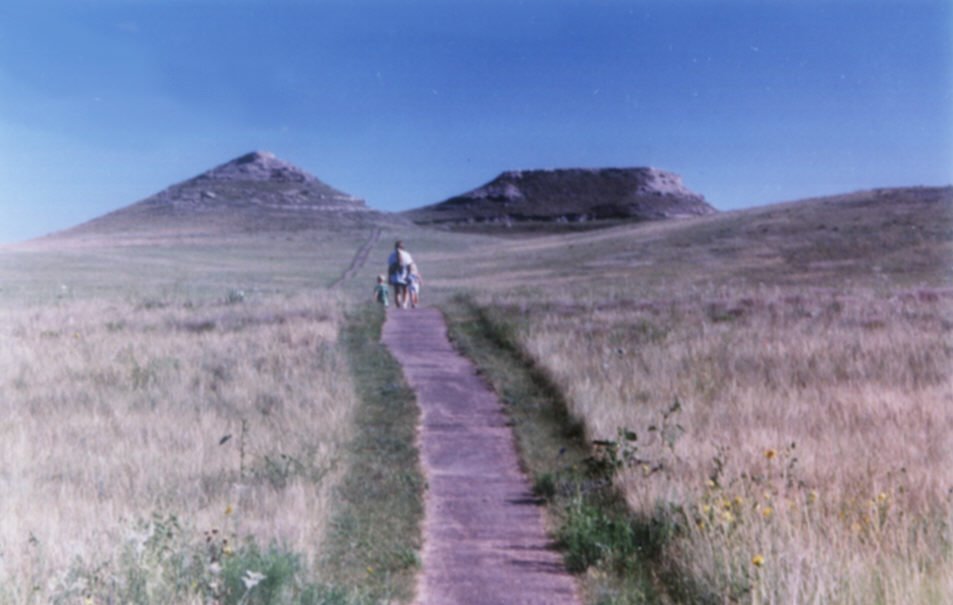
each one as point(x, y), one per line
point(590, 535)
point(544, 486)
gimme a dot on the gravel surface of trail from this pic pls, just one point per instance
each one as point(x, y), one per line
point(484, 541)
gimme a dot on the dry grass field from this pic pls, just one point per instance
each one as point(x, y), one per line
point(787, 373)
point(178, 413)
point(143, 442)
point(179, 269)
point(809, 457)
point(174, 416)
point(808, 347)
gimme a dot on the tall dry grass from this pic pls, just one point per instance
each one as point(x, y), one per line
point(810, 456)
point(226, 418)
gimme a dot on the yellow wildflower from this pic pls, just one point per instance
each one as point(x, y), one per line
point(728, 516)
point(757, 560)
point(738, 501)
point(229, 510)
point(766, 512)
point(812, 496)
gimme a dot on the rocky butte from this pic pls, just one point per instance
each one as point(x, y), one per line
point(254, 192)
point(572, 195)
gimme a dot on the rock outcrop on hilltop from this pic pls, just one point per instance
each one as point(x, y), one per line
point(258, 166)
point(569, 196)
point(258, 181)
point(254, 192)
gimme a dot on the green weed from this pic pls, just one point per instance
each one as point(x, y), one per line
point(165, 562)
point(375, 534)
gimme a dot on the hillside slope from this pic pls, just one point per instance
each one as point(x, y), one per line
point(252, 193)
point(901, 235)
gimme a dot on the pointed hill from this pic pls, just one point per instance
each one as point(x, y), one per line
point(256, 192)
point(563, 196)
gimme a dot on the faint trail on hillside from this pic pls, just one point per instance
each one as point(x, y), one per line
point(360, 257)
point(484, 541)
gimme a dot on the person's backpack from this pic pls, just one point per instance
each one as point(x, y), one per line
point(396, 272)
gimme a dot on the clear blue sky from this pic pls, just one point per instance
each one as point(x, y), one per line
point(404, 103)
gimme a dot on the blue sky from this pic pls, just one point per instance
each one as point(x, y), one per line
point(405, 103)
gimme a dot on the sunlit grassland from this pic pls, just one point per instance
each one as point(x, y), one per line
point(181, 270)
point(228, 418)
point(809, 349)
point(176, 416)
point(863, 239)
point(809, 457)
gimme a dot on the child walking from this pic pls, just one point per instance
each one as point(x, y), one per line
point(381, 293)
point(414, 281)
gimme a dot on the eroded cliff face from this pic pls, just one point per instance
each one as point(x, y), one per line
point(569, 195)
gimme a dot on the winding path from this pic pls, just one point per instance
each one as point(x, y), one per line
point(360, 257)
point(484, 541)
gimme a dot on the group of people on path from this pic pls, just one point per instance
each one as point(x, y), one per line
point(403, 276)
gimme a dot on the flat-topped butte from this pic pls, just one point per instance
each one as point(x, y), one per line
point(570, 195)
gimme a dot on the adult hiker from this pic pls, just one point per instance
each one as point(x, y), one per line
point(398, 270)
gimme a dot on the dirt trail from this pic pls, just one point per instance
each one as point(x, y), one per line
point(484, 541)
point(360, 257)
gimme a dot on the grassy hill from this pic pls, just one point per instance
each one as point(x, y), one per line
point(898, 236)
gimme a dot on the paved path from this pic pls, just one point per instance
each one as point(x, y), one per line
point(483, 531)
